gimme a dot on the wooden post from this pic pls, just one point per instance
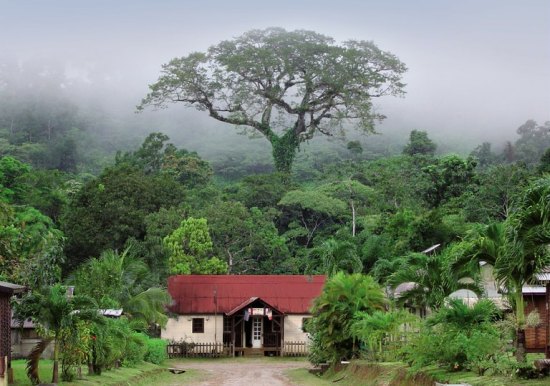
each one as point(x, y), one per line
point(547, 346)
point(282, 335)
point(3, 365)
point(233, 335)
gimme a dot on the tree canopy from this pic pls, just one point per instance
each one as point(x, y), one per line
point(286, 86)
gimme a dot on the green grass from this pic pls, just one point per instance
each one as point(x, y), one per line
point(359, 372)
point(144, 374)
point(20, 373)
point(303, 377)
point(476, 380)
point(374, 374)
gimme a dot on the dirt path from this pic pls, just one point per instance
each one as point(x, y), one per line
point(255, 372)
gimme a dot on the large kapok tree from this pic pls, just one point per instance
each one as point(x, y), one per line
point(284, 85)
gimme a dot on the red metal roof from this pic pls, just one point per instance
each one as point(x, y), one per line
point(208, 294)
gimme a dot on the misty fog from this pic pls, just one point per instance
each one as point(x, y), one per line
point(476, 70)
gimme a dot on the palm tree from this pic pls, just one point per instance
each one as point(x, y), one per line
point(374, 329)
point(343, 297)
point(55, 311)
point(431, 279)
point(110, 278)
point(116, 280)
point(333, 256)
point(526, 250)
point(148, 307)
point(517, 248)
point(465, 317)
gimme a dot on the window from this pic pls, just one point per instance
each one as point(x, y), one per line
point(198, 325)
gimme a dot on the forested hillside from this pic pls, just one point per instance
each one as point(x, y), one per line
point(355, 206)
point(113, 212)
point(400, 150)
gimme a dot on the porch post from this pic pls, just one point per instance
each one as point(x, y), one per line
point(232, 335)
point(282, 335)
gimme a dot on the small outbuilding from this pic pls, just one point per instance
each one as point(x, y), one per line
point(245, 314)
point(7, 290)
point(537, 298)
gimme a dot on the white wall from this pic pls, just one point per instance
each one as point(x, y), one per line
point(181, 328)
point(293, 328)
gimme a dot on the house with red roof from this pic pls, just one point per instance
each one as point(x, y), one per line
point(247, 313)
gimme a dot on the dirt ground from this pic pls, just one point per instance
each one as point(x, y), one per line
point(255, 372)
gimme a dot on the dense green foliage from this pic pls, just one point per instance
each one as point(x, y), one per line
point(459, 336)
point(190, 246)
point(343, 297)
point(419, 143)
point(113, 219)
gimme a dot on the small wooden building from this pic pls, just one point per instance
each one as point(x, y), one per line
point(244, 314)
point(7, 290)
point(535, 300)
point(537, 339)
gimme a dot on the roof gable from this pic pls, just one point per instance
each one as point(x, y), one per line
point(208, 294)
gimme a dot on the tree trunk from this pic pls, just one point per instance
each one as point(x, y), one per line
point(55, 373)
point(55, 376)
point(520, 345)
point(352, 218)
point(284, 150)
point(520, 329)
point(230, 261)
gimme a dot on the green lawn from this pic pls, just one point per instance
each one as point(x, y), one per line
point(475, 380)
point(371, 374)
point(20, 375)
point(359, 372)
point(303, 377)
point(144, 374)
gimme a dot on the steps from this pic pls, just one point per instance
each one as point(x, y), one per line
point(253, 352)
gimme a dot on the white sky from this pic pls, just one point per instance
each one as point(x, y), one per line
point(475, 67)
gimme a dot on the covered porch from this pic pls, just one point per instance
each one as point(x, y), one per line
point(254, 328)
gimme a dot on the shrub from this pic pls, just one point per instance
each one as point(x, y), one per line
point(382, 333)
point(112, 341)
point(334, 311)
point(460, 337)
point(136, 349)
point(156, 351)
point(317, 353)
point(526, 371)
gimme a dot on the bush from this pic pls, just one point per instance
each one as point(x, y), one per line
point(317, 353)
point(526, 371)
point(334, 310)
point(156, 351)
point(136, 349)
point(114, 342)
point(461, 337)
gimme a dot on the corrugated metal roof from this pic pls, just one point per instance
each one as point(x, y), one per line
point(111, 312)
point(533, 289)
point(241, 306)
point(11, 288)
point(544, 274)
point(208, 294)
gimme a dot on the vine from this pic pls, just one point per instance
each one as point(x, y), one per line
point(284, 149)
